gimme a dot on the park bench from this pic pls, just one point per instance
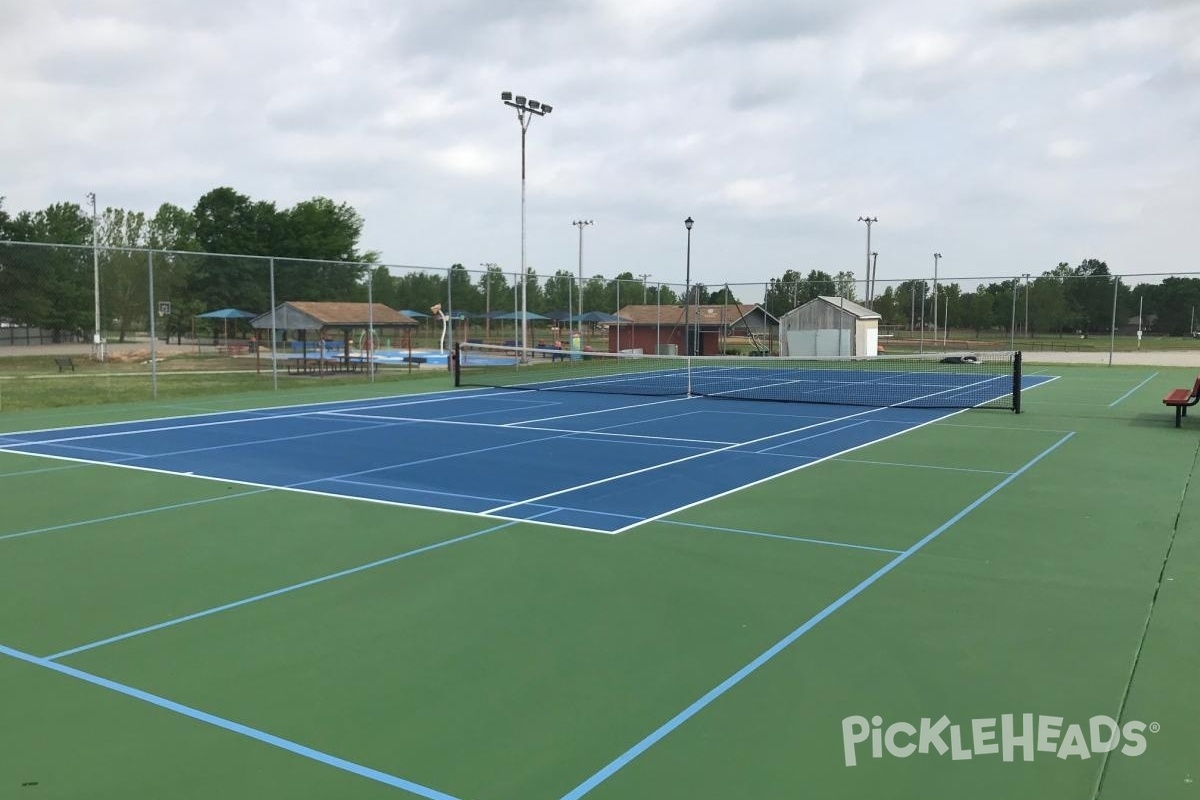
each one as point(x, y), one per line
point(1181, 399)
point(64, 363)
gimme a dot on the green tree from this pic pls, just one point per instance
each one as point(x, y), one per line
point(781, 295)
point(661, 294)
point(620, 292)
point(49, 287)
point(886, 306)
point(228, 222)
point(723, 296)
point(125, 277)
point(909, 297)
point(493, 285)
point(419, 291)
point(463, 292)
point(1089, 292)
point(595, 294)
point(559, 291)
point(845, 285)
point(533, 291)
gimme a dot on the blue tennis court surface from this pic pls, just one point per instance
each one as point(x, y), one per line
point(585, 461)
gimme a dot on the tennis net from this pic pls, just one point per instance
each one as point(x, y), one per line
point(938, 380)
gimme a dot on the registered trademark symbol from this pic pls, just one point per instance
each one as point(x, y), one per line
point(1155, 727)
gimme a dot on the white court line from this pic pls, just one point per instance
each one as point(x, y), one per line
point(922, 466)
point(602, 432)
point(624, 475)
point(1131, 391)
point(492, 499)
point(671, 463)
point(814, 462)
point(312, 492)
point(453, 394)
point(797, 468)
point(814, 436)
point(601, 411)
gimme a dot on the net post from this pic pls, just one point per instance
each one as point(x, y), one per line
point(456, 363)
point(1016, 392)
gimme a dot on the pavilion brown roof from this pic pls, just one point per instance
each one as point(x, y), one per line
point(673, 315)
point(305, 315)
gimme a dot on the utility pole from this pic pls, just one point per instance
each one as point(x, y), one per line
point(870, 221)
point(644, 276)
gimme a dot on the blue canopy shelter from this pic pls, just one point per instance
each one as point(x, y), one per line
point(226, 314)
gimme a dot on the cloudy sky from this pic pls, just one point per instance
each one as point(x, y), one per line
point(1007, 134)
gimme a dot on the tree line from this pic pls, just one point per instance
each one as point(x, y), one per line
point(1063, 300)
point(316, 246)
point(52, 288)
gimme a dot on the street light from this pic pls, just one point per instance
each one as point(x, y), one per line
point(870, 221)
point(581, 224)
point(526, 111)
point(936, 257)
point(687, 296)
point(97, 349)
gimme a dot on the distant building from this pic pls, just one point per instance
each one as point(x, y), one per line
point(660, 329)
point(829, 326)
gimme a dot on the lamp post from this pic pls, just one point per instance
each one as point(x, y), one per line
point(687, 294)
point(97, 349)
point(870, 221)
point(581, 224)
point(526, 111)
point(936, 258)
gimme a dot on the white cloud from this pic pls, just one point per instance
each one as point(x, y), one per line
point(1066, 149)
point(775, 124)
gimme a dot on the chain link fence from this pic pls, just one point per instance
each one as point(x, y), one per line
point(149, 321)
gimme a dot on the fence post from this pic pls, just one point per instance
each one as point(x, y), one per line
point(153, 330)
point(274, 335)
point(1112, 333)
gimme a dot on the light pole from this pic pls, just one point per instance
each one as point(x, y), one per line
point(687, 293)
point(581, 224)
point(936, 258)
point(870, 284)
point(487, 293)
point(526, 111)
point(97, 350)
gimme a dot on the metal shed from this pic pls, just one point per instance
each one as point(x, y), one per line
point(829, 326)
